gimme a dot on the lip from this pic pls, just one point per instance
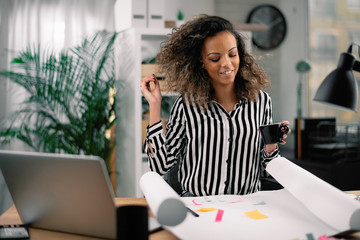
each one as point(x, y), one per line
point(226, 73)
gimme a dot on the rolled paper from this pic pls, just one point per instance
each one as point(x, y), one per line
point(325, 201)
point(163, 201)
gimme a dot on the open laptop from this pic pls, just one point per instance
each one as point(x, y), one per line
point(67, 193)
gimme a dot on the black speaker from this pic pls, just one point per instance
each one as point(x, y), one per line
point(132, 223)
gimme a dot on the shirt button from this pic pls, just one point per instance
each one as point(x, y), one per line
point(229, 139)
point(227, 161)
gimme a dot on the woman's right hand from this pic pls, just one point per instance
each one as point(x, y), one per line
point(153, 96)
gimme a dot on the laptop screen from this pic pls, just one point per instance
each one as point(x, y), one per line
point(67, 193)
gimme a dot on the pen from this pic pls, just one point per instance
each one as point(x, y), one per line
point(192, 212)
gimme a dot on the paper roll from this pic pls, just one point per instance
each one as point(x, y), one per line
point(164, 202)
point(325, 201)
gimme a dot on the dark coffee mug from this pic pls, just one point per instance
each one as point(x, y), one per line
point(273, 133)
point(132, 223)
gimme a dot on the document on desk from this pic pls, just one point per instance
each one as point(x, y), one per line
point(307, 206)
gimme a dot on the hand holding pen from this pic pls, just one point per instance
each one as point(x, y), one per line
point(153, 96)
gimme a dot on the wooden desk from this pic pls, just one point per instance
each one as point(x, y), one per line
point(11, 216)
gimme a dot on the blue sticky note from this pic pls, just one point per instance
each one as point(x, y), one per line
point(260, 203)
point(310, 236)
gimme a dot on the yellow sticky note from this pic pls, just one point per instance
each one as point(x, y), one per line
point(255, 215)
point(207, 209)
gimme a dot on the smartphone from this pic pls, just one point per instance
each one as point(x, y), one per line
point(14, 232)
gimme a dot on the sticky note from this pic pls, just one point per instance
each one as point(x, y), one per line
point(324, 237)
point(260, 203)
point(219, 215)
point(255, 215)
point(310, 236)
point(207, 209)
point(240, 200)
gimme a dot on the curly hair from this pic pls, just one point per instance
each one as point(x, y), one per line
point(180, 62)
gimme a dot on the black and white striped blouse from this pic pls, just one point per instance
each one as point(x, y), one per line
point(219, 152)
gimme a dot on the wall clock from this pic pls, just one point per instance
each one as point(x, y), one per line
point(273, 18)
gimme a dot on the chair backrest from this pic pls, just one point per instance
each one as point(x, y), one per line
point(171, 177)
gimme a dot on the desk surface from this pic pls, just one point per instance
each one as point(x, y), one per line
point(11, 216)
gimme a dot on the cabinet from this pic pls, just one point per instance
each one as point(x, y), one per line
point(134, 46)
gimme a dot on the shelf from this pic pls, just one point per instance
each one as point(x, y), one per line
point(252, 27)
point(154, 31)
point(148, 69)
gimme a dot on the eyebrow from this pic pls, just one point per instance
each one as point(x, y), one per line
point(219, 53)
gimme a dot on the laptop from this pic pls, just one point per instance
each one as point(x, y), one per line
point(66, 193)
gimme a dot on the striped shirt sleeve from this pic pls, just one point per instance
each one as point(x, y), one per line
point(166, 148)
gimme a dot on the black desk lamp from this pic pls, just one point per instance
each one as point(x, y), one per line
point(340, 87)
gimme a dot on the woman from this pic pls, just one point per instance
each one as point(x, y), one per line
point(213, 126)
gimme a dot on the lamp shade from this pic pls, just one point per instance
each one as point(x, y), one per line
point(340, 87)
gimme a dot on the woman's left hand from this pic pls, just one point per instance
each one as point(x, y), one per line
point(271, 147)
point(286, 123)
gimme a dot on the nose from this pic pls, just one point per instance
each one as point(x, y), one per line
point(226, 62)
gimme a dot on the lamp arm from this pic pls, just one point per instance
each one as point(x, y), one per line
point(349, 50)
point(356, 64)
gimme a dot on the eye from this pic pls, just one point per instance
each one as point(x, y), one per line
point(233, 54)
point(214, 60)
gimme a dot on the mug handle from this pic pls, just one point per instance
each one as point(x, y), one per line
point(284, 129)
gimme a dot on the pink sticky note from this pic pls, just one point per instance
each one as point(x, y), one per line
point(219, 215)
point(240, 200)
point(193, 201)
point(324, 237)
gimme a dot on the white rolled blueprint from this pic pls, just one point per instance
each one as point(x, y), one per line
point(164, 202)
point(324, 200)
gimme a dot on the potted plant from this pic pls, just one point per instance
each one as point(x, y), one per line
point(69, 106)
